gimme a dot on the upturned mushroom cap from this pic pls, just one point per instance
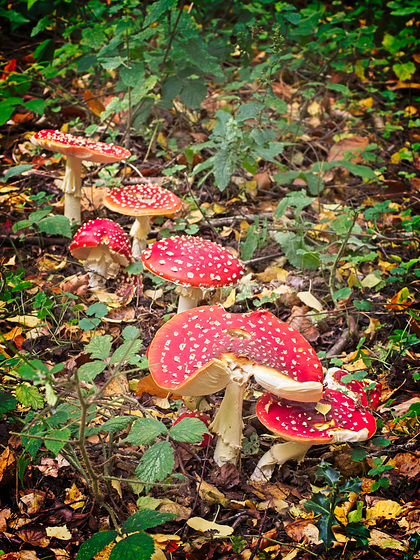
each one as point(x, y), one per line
point(79, 147)
point(192, 261)
point(199, 351)
point(142, 200)
point(334, 419)
point(365, 391)
point(102, 233)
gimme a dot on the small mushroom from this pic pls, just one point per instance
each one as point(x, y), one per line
point(194, 264)
point(365, 392)
point(104, 247)
point(206, 349)
point(142, 202)
point(334, 419)
point(77, 149)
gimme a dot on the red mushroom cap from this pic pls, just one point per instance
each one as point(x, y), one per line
point(102, 232)
point(79, 147)
point(142, 200)
point(192, 353)
point(205, 418)
point(334, 419)
point(192, 261)
point(365, 391)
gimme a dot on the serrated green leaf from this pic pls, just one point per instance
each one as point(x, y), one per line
point(126, 351)
point(117, 424)
point(189, 430)
point(130, 76)
point(50, 395)
point(342, 293)
point(89, 371)
point(56, 446)
point(35, 105)
point(29, 396)
point(249, 110)
point(97, 309)
point(14, 171)
point(358, 454)
point(157, 9)
point(223, 168)
point(7, 402)
point(56, 225)
point(359, 170)
point(146, 430)
point(89, 324)
point(193, 94)
point(130, 332)
point(145, 519)
point(95, 544)
point(291, 244)
point(138, 546)
point(171, 87)
point(156, 463)
point(99, 346)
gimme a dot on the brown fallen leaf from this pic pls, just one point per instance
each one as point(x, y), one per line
point(302, 323)
point(407, 464)
point(76, 284)
point(7, 458)
point(351, 145)
point(35, 536)
point(32, 502)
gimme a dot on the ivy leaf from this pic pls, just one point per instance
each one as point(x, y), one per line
point(146, 430)
point(89, 371)
point(99, 347)
point(189, 430)
point(29, 396)
point(156, 463)
point(138, 546)
point(145, 519)
point(95, 544)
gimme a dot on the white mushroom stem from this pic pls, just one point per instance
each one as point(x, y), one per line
point(286, 387)
point(188, 298)
point(139, 232)
point(228, 425)
point(100, 266)
point(72, 187)
point(277, 455)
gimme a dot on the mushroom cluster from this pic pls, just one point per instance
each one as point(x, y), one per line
point(203, 350)
point(77, 149)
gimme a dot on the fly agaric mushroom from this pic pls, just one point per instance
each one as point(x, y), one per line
point(334, 419)
point(142, 201)
point(364, 392)
point(194, 264)
point(206, 349)
point(104, 247)
point(76, 149)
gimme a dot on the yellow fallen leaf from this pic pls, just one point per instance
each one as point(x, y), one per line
point(73, 494)
point(322, 408)
point(378, 538)
point(230, 300)
point(383, 509)
point(61, 533)
point(308, 299)
point(370, 281)
point(374, 324)
point(200, 524)
point(26, 320)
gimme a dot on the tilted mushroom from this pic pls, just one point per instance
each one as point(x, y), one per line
point(77, 149)
point(206, 349)
point(104, 247)
point(194, 264)
point(334, 419)
point(364, 391)
point(142, 201)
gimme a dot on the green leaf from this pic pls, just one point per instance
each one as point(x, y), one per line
point(95, 544)
point(88, 324)
point(171, 87)
point(156, 463)
point(35, 105)
point(341, 88)
point(193, 94)
point(126, 351)
point(358, 454)
point(359, 170)
point(342, 293)
point(189, 430)
point(145, 430)
point(56, 225)
point(117, 424)
point(223, 168)
point(14, 171)
point(89, 371)
point(97, 309)
point(145, 519)
point(130, 76)
point(138, 546)
point(250, 244)
point(249, 110)
point(56, 446)
point(157, 9)
point(404, 71)
point(29, 396)
point(130, 332)
point(291, 244)
point(7, 402)
point(99, 346)
point(323, 505)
